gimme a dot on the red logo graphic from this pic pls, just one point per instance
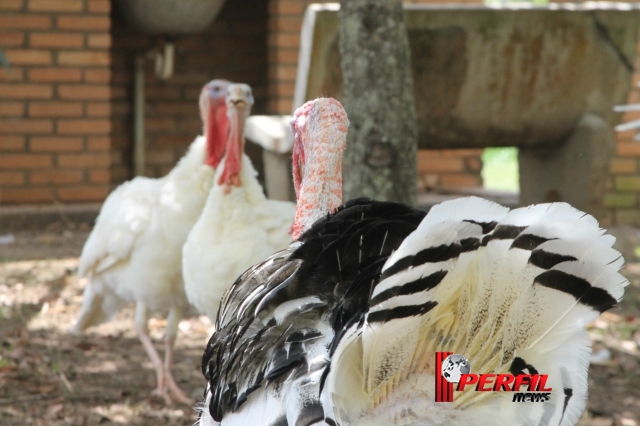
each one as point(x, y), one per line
point(452, 368)
point(444, 388)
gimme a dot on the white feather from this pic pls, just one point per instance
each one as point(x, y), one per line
point(134, 251)
point(235, 231)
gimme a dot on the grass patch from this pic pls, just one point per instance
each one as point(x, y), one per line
point(500, 169)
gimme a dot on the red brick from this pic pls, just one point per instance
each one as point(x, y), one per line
point(460, 180)
point(55, 75)
point(474, 164)
point(173, 141)
point(99, 176)
point(10, 4)
point(25, 22)
point(461, 152)
point(284, 40)
point(160, 157)
point(619, 166)
point(55, 109)
point(99, 109)
point(83, 193)
point(56, 177)
point(99, 41)
point(83, 58)
point(84, 91)
point(286, 24)
point(90, 23)
point(286, 7)
point(83, 127)
point(428, 164)
point(25, 196)
point(24, 161)
point(99, 6)
point(177, 108)
point(11, 39)
point(97, 75)
point(56, 40)
point(11, 109)
point(281, 106)
point(99, 143)
point(628, 149)
point(11, 74)
point(12, 143)
point(160, 124)
point(164, 92)
point(281, 55)
point(55, 144)
point(84, 160)
point(55, 5)
point(190, 125)
point(26, 126)
point(28, 56)
point(11, 178)
point(283, 73)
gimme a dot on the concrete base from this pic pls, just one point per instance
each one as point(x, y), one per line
point(278, 181)
point(576, 171)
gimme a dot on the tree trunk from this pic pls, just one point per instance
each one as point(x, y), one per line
point(380, 159)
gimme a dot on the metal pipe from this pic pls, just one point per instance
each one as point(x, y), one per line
point(138, 114)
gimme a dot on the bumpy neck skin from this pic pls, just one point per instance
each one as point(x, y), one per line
point(320, 132)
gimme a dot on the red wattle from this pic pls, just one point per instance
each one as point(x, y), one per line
point(217, 128)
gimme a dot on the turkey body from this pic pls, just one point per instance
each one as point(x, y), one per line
point(342, 327)
point(239, 225)
point(131, 254)
point(236, 230)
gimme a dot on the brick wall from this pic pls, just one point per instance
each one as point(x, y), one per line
point(54, 130)
point(622, 201)
point(234, 47)
point(436, 168)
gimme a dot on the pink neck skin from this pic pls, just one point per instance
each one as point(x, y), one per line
point(216, 130)
point(320, 132)
point(237, 114)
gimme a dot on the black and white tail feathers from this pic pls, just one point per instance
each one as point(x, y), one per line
point(509, 290)
point(357, 307)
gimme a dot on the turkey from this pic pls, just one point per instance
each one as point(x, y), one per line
point(239, 225)
point(342, 327)
point(134, 251)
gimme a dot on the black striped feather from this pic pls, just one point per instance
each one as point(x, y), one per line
point(252, 351)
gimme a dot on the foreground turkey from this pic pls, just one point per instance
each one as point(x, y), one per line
point(342, 327)
point(239, 225)
point(134, 251)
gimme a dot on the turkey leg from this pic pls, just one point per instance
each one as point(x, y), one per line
point(175, 315)
point(143, 334)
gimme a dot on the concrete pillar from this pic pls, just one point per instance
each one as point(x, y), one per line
point(277, 172)
point(575, 172)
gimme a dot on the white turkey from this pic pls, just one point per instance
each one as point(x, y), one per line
point(134, 251)
point(239, 225)
point(342, 327)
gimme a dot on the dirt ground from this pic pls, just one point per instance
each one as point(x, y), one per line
point(49, 377)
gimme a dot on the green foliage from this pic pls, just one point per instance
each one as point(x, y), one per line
point(500, 169)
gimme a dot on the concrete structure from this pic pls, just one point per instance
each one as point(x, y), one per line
point(543, 79)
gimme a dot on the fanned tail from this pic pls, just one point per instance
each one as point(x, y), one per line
point(510, 290)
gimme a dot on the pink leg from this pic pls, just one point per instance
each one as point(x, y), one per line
point(175, 315)
point(143, 335)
